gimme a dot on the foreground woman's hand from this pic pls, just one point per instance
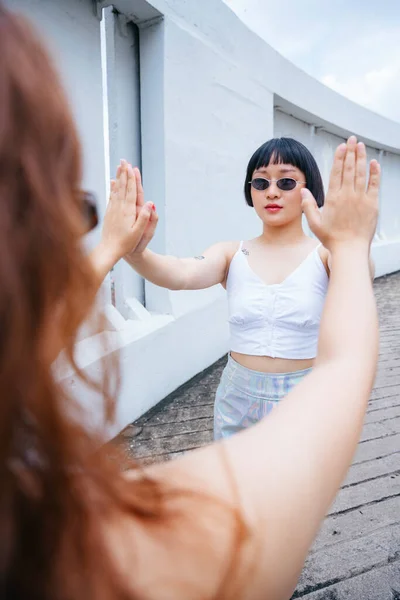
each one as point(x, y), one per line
point(350, 211)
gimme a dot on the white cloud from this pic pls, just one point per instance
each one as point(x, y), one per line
point(349, 46)
point(373, 78)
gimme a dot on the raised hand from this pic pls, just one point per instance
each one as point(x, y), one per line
point(127, 217)
point(350, 211)
point(152, 224)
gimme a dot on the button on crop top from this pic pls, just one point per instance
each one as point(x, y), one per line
point(279, 320)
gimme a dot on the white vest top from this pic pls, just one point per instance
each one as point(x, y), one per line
point(279, 320)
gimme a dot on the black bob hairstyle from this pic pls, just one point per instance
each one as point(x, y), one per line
point(287, 151)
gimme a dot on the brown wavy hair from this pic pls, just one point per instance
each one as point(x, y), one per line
point(58, 491)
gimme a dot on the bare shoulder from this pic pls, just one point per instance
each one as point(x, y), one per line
point(197, 484)
point(230, 249)
point(225, 249)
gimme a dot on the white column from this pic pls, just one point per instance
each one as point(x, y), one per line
point(122, 127)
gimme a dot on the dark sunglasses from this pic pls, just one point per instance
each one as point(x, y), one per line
point(89, 210)
point(285, 183)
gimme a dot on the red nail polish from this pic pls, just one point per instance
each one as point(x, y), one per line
point(154, 207)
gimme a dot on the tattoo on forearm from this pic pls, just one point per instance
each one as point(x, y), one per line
point(245, 252)
point(199, 257)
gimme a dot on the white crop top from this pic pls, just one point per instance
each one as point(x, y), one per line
point(279, 320)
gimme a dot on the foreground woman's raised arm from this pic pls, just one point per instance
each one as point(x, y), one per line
point(283, 473)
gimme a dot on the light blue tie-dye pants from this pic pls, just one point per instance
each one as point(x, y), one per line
point(244, 396)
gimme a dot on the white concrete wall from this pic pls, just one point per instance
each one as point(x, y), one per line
point(71, 30)
point(211, 92)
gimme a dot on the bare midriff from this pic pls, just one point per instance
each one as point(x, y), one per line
point(267, 364)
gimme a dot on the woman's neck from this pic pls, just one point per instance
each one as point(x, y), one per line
point(286, 235)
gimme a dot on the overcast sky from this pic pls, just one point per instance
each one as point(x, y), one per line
point(353, 46)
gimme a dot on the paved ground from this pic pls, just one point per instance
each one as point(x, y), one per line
point(357, 554)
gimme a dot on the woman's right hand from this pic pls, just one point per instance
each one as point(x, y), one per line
point(152, 224)
point(350, 210)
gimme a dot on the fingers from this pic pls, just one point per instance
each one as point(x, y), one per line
point(335, 180)
point(350, 211)
point(374, 180)
point(115, 183)
point(149, 232)
point(131, 185)
point(311, 211)
point(122, 179)
point(139, 187)
point(141, 224)
point(350, 163)
point(131, 191)
point(361, 167)
point(143, 218)
point(113, 190)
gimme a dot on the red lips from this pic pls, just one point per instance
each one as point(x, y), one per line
point(273, 207)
